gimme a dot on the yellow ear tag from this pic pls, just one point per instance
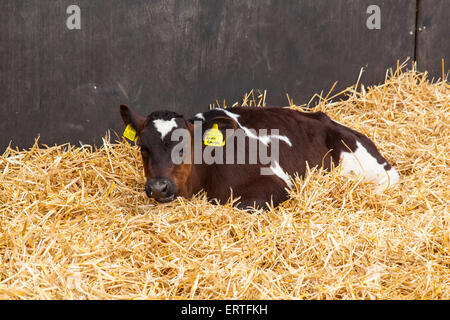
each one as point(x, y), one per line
point(130, 133)
point(213, 137)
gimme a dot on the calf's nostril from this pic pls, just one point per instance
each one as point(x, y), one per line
point(148, 190)
point(159, 188)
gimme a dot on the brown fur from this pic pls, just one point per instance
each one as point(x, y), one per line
point(315, 138)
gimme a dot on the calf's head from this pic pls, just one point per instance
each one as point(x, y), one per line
point(166, 178)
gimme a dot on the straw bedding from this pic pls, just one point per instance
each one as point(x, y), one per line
point(75, 222)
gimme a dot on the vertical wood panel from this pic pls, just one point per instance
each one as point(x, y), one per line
point(433, 35)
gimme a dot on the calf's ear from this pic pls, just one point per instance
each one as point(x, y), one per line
point(129, 116)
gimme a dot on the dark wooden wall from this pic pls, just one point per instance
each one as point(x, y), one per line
point(66, 85)
point(433, 36)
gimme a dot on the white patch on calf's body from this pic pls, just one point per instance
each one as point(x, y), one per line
point(263, 139)
point(275, 168)
point(164, 126)
point(279, 172)
point(266, 139)
point(200, 116)
point(362, 163)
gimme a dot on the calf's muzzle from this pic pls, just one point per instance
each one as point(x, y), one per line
point(161, 189)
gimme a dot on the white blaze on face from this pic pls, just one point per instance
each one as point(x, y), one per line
point(362, 163)
point(164, 126)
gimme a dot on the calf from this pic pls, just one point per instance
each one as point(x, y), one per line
point(294, 139)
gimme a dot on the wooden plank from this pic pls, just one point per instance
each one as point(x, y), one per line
point(432, 37)
point(66, 85)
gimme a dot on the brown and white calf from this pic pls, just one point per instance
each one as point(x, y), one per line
point(301, 138)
